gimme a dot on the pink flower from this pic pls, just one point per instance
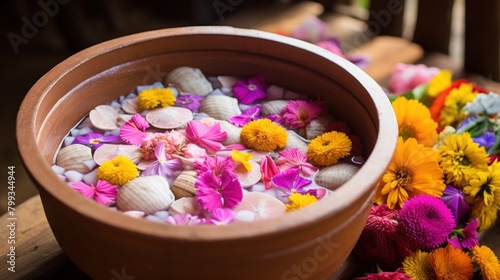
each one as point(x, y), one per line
point(294, 158)
point(218, 191)
point(299, 113)
point(248, 115)
point(173, 141)
point(268, 169)
point(406, 77)
point(396, 275)
point(466, 237)
point(162, 166)
point(311, 30)
point(103, 192)
point(206, 136)
point(331, 45)
point(214, 164)
point(133, 131)
point(194, 151)
point(250, 90)
point(184, 220)
point(221, 216)
point(95, 140)
point(189, 101)
point(289, 181)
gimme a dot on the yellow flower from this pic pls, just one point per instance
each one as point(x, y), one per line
point(461, 158)
point(414, 170)
point(450, 263)
point(487, 261)
point(485, 185)
point(414, 121)
point(453, 112)
point(417, 266)
point(487, 215)
point(155, 98)
point(263, 135)
point(298, 201)
point(117, 171)
point(328, 148)
point(439, 83)
point(243, 159)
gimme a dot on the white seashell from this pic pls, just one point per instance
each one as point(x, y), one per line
point(295, 141)
point(130, 106)
point(73, 176)
point(110, 151)
point(104, 117)
point(183, 186)
point(220, 107)
point(227, 82)
point(318, 126)
point(334, 176)
point(248, 178)
point(185, 205)
point(189, 80)
point(73, 157)
point(233, 133)
point(169, 118)
point(272, 107)
point(147, 194)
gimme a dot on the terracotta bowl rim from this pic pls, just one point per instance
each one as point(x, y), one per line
point(46, 179)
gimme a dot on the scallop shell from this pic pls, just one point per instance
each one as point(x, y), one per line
point(295, 141)
point(248, 178)
point(220, 107)
point(147, 194)
point(334, 176)
point(189, 80)
point(272, 107)
point(318, 126)
point(104, 117)
point(169, 118)
point(183, 186)
point(76, 157)
point(185, 205)
point(110, 151)
point(233, 133)
point(130, 106)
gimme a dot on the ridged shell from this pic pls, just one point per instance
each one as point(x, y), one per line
point(169, 118)
point(233, 133)
point(147, 194)
point(189, 80)
point(272, 107)
point(110, 151)
point(130, 106)
point(318, 126)
point(104, 117)
point(185, 205)
point(294, 141)
point(183, 186)
point(220, 107)
point(76, 157)
point(334, 176)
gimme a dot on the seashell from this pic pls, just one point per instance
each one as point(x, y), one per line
point(123, 118)
point(334, 176)
point(147, 194)
point(75, 157)
point(248, 178)
point(169, 118)
point(272, 107)
point(189, 80)
point(295, 141)
point(130, 106)
point(262, 205)
point(110, 151)
point(185, 205)
point(233, 133)
point(318, 126)
point(227, 82)
point(275, 92)
point(183, 186)
point(135, 214)
point(220, 107)
point(104, 117)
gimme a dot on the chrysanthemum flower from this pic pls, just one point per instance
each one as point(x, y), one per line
point(223, 191)
point(414, 121)
point(461, 158)
point(396, 275)
point(299, 113)
point(155, 98)
point(250, 90)
point(162, 166)
point(94, 140)
point(133, 131)
point(485, 185)
point(294, 158)
point(425, 221)
point(298, 201)
point(487, 261)
point(455, 200)
point(189, 101)
point(486, 215)
point(103, 192)
point(450, 263)
point(243, 159)
point(328, 148)
point(414, 170)
point(453, 112)
point(263, 135)
point(417, 266)
point(118, 170)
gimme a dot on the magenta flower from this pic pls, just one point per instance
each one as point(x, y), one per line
point(290, 181)
point(248, 115)
point(294, 158)
point(221, 216)
point(189, 101)
point(299, 113)
point(214, 164)
point(466, 237)
point(184, 220)
point(406, 77)
point(218, 191)
point(103, 192)
point(133, 131)
point(94, 140)
point(162, 166)
point(396, 275)
point(206, 136)
point(250, 90)
point(425, 222)
point(455, 200)
point(268, 169)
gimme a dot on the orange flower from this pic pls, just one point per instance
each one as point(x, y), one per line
point(451, 263)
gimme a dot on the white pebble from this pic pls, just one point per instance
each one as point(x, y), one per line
point(243, 107)
point(245, 191)
point(90, 163)
point(259, 187)
point(275, 92)
point(74, 132)
point(174, 90)
point(163, 214)
point(131, 95)
point(85, 123)
point(115, 104)
point(272, 192)
point(68, 140)
point(115, 132)
point(90, 178)
point(73, 176)
point(216, 91)
point(154, 218)
point(244, 216)
point(155, 85)
point(57, 169)
point(85, 130)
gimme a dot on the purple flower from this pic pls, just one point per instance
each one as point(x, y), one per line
point(487, 139)
point(466, 237)
point(218, 191)
point(189, 101)
point(162, 166)
point(455, 200)
point(94, 140)
point(250, 114)
point(290, 181)
point(247, 91)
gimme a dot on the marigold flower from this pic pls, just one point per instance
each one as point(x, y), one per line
point(453, 112)
point(417, 266)
point(155, 98)
point(487, 261)
point(298, 201)
point(486, 215)
point(450, 263)
point(299, 113)
point(118, 171)
point(328, 148)
point(263, 135)
point(414, 121)
point(485, 185)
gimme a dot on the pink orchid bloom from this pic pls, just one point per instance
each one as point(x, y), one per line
point(206, 136)
point(294, 158)
point(133, 131)
point(268, 169)
point(103, 192)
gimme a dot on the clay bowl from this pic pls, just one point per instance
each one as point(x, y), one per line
point(312, 242)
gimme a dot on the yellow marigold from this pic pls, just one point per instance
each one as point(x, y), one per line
point(487, 261)
point(298, 201)
point(414, 121)
point(485, 185)
point(487, 215)
point(417, 266)
point(414, 170)
point(263, 135)
point(453, 112)
point(461, 158)
point(328, 148)
point(118, 171)
point(242, 158)
point(450, 263)
point(155, 98)
point(439, 83)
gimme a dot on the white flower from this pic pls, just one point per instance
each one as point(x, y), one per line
point(488, 104)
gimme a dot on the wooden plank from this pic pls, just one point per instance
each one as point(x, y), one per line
point(386, 17)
